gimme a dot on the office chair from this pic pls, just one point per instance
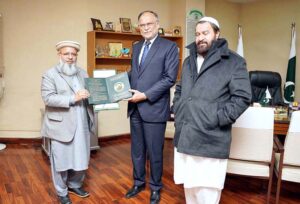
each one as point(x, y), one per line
point(260, 80)
point(287, 165)
point(251, 151)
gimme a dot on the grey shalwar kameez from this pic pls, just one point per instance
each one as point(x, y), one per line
point(69, 160)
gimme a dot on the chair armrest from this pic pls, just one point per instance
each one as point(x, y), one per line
point(278, 146)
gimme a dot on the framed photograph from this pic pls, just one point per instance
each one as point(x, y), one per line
point(96, 24)
point(126, 25)
point(115, 49)
point(177, 31)
point(109, 26)
point(161, 31)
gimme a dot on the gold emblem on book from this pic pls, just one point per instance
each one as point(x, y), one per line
point(119, 86)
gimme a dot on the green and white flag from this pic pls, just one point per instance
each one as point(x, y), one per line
point(266, 99)
point(289, 86)
point(240, 47)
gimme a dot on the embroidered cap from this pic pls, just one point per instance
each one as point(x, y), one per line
point(210, 20)
point(67, 43)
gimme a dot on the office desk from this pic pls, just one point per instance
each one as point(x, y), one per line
point(281, 125)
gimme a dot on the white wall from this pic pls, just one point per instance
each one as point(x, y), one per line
point(266, 32)
point(31, 28)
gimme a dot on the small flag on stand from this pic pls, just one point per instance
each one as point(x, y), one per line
point(266, 99)
point(240, 47)
point(289, 86)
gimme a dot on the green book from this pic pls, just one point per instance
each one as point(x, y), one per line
point(108, 90)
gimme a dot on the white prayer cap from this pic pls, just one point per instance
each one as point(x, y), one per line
point(210, 20)
point(67, 43)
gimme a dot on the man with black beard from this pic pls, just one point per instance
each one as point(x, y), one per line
point(68, 122)
point(213, 92)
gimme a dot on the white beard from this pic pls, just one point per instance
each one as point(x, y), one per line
point(68, 69)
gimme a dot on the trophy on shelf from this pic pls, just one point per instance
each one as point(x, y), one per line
point(99, 51)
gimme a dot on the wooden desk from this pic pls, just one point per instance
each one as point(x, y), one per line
point(281, 125)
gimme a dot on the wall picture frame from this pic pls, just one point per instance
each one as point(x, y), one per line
point(126, 25)
point(96, 24)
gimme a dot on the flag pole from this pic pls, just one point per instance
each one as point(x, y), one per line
point(240, 47)
point(289, 86)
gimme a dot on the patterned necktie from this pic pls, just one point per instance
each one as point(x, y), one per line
point(145, 52)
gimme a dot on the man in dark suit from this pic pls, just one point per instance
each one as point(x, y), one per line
point(153, 72)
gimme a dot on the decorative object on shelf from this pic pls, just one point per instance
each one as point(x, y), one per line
point(118, 27)
point(96, 24)
point(281, 111)
point(125, 52)
point(115, 49)
point(126, 25)
point(161, 31)
point(109, 26)
point(177, 31)
point(99, 51)
point(168, 33)
point(136, 28)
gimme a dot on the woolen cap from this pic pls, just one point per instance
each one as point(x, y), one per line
point(67, 43)
point(210, 20)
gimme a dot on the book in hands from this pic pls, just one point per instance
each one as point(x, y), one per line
point(108, 90)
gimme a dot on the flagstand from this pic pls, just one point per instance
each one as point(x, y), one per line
point(2, 146)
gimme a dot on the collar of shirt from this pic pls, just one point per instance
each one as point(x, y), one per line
point(200, 60)
point(151, 42)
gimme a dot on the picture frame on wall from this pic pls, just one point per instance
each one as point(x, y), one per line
point(96, 24)
point(126, 25)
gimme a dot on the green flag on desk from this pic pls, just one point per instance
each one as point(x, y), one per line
point(265, 100)
point(289, 86)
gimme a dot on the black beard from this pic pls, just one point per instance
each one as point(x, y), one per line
point(202, 50)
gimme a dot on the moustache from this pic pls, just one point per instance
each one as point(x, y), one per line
point(201, 42)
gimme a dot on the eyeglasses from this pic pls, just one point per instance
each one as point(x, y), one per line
point(72, 54)
point(143, 26)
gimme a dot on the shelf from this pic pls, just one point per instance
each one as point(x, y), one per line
point(103, 38)
point(114, 58)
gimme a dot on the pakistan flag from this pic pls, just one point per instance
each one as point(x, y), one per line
point(289, 86)
point(266, 98)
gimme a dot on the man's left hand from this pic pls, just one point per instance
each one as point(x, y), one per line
point(137, 96)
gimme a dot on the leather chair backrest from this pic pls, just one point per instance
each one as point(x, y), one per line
point(260, 80)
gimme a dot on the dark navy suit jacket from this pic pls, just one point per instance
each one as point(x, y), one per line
point(155, 78)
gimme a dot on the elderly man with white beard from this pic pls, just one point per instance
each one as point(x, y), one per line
point(68, 122)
